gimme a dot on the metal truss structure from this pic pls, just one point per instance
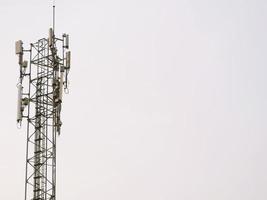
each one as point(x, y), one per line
point(40, 88)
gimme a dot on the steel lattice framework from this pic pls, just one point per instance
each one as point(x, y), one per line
point(40, 89)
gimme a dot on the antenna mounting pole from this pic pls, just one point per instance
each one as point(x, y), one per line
point(54, 15)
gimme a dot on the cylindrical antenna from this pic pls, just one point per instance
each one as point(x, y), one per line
point(51, 37)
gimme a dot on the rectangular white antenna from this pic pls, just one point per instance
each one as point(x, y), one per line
point(61, 83)
point(19, 49)
point(19, 111)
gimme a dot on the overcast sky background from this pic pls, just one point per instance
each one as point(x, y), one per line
point(167, 99)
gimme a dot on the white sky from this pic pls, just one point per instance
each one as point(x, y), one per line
point(168, 99)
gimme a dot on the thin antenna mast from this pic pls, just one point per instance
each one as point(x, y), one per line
point(54, 15)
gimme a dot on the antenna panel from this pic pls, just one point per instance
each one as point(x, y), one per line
point(67, 41)
point(19, 49)
point(68, 57)
point(19, 110)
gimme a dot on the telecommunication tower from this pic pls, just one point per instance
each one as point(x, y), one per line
point(43, 78)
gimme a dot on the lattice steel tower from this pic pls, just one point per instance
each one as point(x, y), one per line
point(41, 84)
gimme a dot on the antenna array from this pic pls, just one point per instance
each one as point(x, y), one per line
point(41, 84)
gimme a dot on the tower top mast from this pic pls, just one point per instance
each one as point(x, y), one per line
point(54, 15)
